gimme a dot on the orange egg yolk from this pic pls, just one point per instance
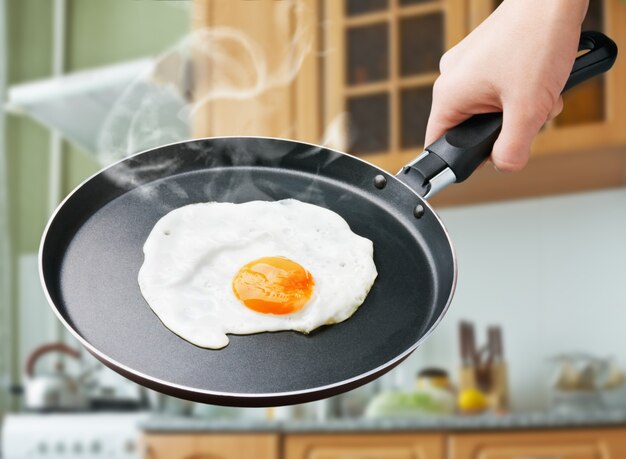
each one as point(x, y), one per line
point(273, 285)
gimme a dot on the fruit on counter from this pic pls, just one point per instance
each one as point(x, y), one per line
point(472, 401)
point(400, 403)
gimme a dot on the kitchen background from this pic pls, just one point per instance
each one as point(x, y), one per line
point(542, 253)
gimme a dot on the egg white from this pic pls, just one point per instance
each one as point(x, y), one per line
point(193, 253)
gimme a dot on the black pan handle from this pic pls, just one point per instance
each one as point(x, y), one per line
point(454, 156)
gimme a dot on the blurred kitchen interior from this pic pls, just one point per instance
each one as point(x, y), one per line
point(531, 354)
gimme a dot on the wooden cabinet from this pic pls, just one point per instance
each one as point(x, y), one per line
point(582, 149)
point(362, 83)
point(365, 446)
point(570, 444)
point(208, 446)
point(608, 443)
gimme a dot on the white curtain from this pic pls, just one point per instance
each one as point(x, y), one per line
point(5, 247)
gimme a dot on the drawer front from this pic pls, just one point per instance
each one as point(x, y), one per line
point(209, 446)
point(365, 446)
point(373, 452)
point(575, 444)
point(542, 452)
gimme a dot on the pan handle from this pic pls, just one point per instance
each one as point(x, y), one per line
point(454, 156)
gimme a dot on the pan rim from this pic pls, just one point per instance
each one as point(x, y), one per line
point(120, 367)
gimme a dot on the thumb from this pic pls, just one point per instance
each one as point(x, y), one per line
point(520, 125)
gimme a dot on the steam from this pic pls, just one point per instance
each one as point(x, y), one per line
point(249, 75)
point(336, 134)
point(212, 70)
point(211, 65)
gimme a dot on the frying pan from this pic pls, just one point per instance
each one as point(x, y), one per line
point(91, 252)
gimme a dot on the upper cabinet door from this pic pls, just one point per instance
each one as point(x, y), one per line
point(256, 68)
point(363, 84)
point(381, 60)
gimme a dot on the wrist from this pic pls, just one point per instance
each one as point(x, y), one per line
point(570, 12)
point(575, 10)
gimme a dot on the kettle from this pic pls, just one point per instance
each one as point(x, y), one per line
point(53, 391)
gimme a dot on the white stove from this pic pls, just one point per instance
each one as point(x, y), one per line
point(72, 436)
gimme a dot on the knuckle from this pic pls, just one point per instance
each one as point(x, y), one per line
point(534, 107)
point(532, 112)
point(511, 153)
point(448, 58)
point(439, 82)
point(441, 87)
point(511, 163)
point(444, 62)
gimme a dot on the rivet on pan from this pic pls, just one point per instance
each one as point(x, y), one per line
point(419, 211)
point(380, 181)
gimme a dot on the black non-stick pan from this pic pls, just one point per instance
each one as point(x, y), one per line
point(91, 253)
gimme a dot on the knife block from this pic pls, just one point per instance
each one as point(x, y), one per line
point(484, 368)
point(497, 393)
point(467, 378)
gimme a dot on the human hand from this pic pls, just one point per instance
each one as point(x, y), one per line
point(516, 62)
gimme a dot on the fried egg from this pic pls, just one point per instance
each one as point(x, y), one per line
point(213, 269)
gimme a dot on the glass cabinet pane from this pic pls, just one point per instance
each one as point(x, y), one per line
point(367, 54)
point(414, 110)
point(369, 123)
point(421, 43)
point(594, 20)
point(583, 104)
point(356, 7)
point(586, 102)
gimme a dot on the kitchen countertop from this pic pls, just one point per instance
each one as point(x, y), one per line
point(164, 424)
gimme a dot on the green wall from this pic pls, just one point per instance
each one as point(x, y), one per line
point(99, 32)
point(30, 29)
point(105, 32)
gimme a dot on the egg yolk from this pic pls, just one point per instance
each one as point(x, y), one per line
point(273, 285)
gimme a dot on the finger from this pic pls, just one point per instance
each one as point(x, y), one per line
point(557, 109)
point(443, 115)
point(454, 102)
point(440, 121)
point(520, 126)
